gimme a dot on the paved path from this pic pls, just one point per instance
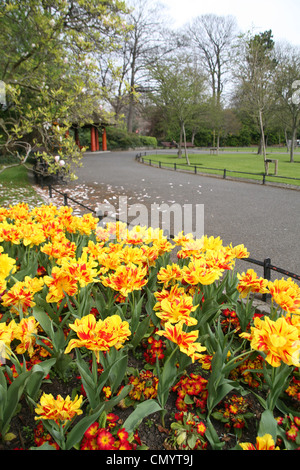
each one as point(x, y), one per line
point(265, 219)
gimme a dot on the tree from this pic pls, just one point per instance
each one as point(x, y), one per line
point(147, 40)
point(113, 77)
point(179, 94)
point(231, 125)
point(212, 38)
point(255, 70)
point(46, 65)
point(287, 86)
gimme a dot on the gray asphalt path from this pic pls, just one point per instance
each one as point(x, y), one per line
point(265, 219)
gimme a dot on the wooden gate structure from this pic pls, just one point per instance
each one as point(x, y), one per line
point(95, 130)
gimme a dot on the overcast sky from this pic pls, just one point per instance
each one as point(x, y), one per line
point(282, 16)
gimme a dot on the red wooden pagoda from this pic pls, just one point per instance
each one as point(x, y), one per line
point(94, 129)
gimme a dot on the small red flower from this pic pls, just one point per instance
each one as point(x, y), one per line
point(105, 440)
point(111, 420)
point(297, 421)
point(92, 431)
point(292, 432)
point(201, 428)
point(125, 446)
point(181, 405)
point(137, 438)
point(122, 435)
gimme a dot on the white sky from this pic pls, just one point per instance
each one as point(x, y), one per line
point(282, 16)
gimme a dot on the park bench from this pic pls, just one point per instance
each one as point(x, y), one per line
point(169, 145)
point(271, 160)
point(175, 145)
point(215, 150)
point(42, 175)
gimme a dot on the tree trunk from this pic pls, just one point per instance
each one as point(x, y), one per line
point(214, 138)
point(132, 85)
point(130, 112)
point(259, 150)
point(286, 140)
point(292, 149)
point(263, 138)
point(185, 149)
point(180, 144)
point(218, 142)
point(193, 136)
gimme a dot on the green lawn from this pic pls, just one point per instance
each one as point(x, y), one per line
point(15, 187)
point(239, 161)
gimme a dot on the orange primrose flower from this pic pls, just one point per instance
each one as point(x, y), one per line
point(105, 440)
point(92, 431)
point(122, 435)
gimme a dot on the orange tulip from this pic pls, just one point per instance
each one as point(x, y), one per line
point(185, 341)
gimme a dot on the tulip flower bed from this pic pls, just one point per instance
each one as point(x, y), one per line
point(107, 344)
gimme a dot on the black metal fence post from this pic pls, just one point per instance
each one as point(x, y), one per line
point(267, 269)
point(267, 274)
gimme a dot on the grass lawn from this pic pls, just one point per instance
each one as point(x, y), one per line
point(15, 187)
point(239, 161)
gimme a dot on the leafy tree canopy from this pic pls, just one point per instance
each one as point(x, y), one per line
point(46, 64)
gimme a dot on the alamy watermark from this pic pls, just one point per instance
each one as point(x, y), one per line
point(296, 93)
point(2, 352)
point(2, 93)
point(171, 219)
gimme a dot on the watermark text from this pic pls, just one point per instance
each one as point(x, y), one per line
point(172, 219)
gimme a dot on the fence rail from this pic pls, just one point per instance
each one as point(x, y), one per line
point(67, 197)
point(267, 268)
point(195, 169)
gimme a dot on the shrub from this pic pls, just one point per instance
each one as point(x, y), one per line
point(120, 138)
